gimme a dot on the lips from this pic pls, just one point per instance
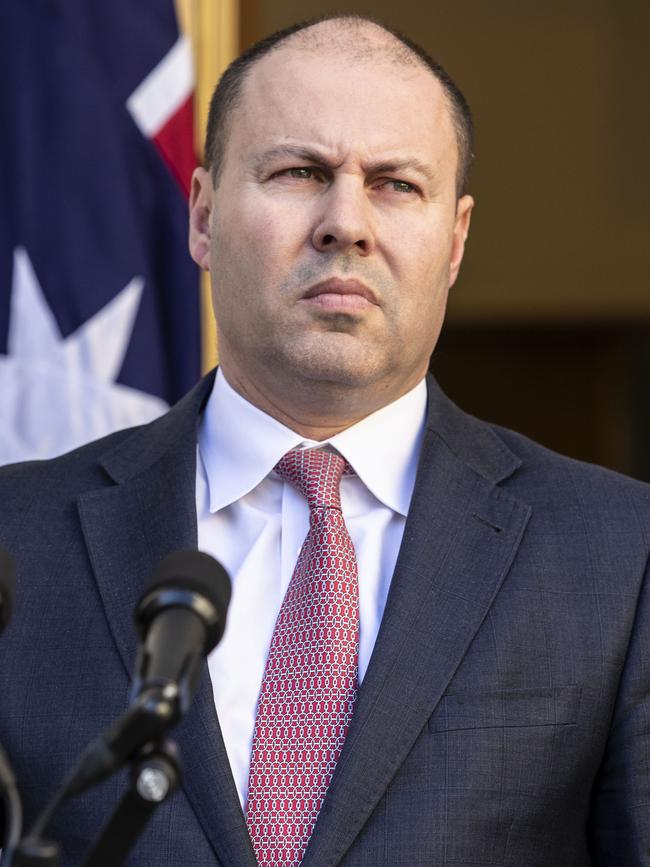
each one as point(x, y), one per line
point(347, 293)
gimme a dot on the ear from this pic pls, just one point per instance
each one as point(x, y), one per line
point(201, 203)
point(461, 229)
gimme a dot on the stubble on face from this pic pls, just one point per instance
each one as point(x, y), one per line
point(266, 251)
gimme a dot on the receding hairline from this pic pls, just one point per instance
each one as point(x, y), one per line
point(375, 58)
point(357, 39)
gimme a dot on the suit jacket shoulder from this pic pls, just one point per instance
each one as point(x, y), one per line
point(44, 491)
point(550, 482)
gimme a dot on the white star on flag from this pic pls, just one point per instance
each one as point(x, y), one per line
point(57, 393)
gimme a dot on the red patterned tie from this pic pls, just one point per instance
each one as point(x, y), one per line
point(309, 685)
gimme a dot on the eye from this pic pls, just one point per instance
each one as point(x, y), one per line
point(301, 173)
point(396, 185)
point(402, 186)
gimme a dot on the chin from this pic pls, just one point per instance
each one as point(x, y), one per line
point(335, 370)
point(332, 359)
point(338, 378)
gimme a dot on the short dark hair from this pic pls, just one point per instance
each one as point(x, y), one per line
point(227, 95)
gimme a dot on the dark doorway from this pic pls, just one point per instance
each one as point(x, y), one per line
point(580, 391)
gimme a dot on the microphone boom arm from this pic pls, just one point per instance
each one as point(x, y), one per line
point(144, 723)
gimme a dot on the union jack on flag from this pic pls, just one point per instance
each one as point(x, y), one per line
point(99, 299)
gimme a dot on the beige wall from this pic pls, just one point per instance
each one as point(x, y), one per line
point(558, 89)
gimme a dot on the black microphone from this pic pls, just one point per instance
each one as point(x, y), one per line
point(180, 618)
point(7, 587)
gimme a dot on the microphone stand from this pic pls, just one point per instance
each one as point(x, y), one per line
point(136, 739)
point(13, 811)
point(181, 618)
point(155, 774)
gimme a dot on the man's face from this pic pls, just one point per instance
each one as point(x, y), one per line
point(334, 233)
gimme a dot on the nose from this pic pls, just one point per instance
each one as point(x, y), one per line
point(345, 220)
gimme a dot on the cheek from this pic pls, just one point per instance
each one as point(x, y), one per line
point(423, 301)
point(434, 277)
point(261, 241)
point(419, 247)
point(433, 303)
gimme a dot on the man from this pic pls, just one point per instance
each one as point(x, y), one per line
point(498, 706)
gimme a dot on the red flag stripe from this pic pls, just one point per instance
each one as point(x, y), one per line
point(174, 141)
point(161, 107)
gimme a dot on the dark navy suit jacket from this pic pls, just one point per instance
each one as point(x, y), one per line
point(505, 715)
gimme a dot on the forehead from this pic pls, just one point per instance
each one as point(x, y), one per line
point(372, 102)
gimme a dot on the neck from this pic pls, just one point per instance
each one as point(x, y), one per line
point(325, 410)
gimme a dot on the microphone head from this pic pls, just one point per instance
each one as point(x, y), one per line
point(188, 579)
point(7, 587)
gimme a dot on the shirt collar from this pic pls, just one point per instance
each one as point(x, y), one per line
point(239, 445)
point(384, 448)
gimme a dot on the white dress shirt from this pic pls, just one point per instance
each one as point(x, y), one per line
point(255, 523)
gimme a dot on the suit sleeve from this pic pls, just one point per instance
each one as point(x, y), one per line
point(619, 826)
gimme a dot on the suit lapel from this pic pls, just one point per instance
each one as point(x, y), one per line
point(128, 529)
point(460, 538)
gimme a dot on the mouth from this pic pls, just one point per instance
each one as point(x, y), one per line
point(338, 295)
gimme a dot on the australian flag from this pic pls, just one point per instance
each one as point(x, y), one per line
point(99, 299)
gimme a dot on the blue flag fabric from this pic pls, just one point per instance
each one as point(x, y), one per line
point(99, 299)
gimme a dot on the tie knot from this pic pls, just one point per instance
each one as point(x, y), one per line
point(316, 473)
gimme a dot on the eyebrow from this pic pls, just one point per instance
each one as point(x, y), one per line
point(312, 156)
point(296, 151)
point(397, 166)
